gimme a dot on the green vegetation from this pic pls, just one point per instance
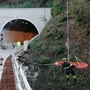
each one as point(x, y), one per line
point(50, 46)
point(81, 10)
point(58, 7)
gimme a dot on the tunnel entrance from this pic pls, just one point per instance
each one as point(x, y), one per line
point(18, 30)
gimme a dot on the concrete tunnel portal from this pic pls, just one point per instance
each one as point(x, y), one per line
point(18, 30)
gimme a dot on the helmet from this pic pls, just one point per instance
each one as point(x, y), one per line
point(64, 59)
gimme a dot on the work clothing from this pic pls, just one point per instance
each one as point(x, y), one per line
point(18, 43)
point(67, 68)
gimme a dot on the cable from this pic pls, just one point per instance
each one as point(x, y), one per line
point(37, 63)
point(43, 64)
point(68, 47)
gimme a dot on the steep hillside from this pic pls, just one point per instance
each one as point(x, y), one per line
point(50, 46)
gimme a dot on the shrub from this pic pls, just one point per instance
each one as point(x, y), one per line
point(58, 7)
point(44, 59)
point(58, 49)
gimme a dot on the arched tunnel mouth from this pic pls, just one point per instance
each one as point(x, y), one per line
point(19, 30)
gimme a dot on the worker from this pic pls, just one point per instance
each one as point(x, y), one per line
point(1, 37)
point(18, 43)
point(67, 68)
point(14, 44)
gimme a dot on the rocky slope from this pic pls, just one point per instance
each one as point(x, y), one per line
point(50, 47)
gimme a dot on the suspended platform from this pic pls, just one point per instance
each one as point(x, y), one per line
point(78, 65)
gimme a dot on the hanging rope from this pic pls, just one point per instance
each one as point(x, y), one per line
point(27, 61)
point(67, 42)
point(78, 63)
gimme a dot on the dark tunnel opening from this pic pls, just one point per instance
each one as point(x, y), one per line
point(19, 30)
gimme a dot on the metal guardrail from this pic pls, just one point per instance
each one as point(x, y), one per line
point(15, 69)
point(21, 81)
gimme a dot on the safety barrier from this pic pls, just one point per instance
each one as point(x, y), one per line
point(16, 71)
point(19, 74)
point(13, 77)
point(22, 83)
